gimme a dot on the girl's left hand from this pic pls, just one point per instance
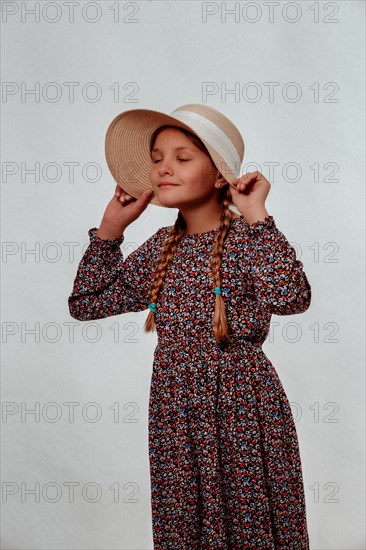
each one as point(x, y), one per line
point(250, 191)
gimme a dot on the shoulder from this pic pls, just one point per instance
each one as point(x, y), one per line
point(238, 226)
point(161, 234)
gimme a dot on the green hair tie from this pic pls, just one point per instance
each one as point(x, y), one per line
point(152, 307)
point(217, 290)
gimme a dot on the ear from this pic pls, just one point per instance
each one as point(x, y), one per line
point(220, 181)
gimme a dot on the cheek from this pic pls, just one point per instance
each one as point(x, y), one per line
point(194, 174)
point(153, 171)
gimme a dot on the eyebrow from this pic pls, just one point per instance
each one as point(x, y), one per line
point(175, 149)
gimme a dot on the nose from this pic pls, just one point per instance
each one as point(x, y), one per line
point(164, 168)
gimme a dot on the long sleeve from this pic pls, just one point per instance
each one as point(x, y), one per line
point(106, 284)
point(278, 277)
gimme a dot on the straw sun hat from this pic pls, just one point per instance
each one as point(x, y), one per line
point(128, 137)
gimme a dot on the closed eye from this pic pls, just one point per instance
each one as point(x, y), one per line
point(183, 160)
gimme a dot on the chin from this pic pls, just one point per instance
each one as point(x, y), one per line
point(169, 204)
point(167, 201)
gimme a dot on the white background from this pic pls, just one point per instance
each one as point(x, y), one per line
point(170, 53)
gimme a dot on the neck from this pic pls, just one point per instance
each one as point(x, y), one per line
point(201, 222)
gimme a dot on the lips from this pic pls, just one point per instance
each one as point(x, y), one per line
point(167, 184)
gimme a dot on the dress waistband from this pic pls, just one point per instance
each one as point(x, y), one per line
point(205, 345)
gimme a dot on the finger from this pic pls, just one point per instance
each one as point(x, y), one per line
point(235, 183)
point(240, 184)
point(248, 176)
point(241, 180)
point(243, 185)
point(146, 197)
point(247, 180)
point(123, 196)
point(127, 198)
point(252, 175)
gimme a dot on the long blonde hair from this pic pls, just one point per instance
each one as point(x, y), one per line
point(171, 243)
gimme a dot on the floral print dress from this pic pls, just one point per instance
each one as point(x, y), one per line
point(225, 465)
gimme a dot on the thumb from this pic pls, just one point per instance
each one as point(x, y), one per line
point(233, 189)
point(145, 198)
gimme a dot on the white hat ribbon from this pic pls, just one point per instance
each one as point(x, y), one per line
point(213, 135)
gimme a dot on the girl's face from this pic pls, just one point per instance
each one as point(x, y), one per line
point(176, 160)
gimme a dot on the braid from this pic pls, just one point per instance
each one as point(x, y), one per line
point(219, 318)
point(170, 247)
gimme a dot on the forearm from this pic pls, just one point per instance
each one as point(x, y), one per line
point(278, 276)
point(96, 290)
point(106, 284)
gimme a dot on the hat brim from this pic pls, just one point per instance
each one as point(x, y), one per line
point(127, 152)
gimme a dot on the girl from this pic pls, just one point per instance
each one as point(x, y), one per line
point(224, 456)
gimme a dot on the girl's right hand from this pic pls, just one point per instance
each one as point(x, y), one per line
point(122, 210)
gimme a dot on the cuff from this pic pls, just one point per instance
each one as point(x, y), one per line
point(104, 243)
point(261, 226)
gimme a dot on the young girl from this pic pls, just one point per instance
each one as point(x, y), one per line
point(224, 457)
